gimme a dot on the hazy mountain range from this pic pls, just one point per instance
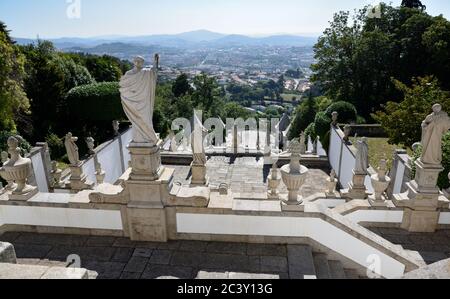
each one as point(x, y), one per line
point(182, 40)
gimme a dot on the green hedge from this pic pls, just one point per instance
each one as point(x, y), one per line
point(347, 111)
point(96, 102)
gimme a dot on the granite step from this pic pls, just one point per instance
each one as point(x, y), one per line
point(337, 270)
point(301, 263)
point(321, 265)
point(351, 274)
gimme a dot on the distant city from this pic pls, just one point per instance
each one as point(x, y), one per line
point(235, 59)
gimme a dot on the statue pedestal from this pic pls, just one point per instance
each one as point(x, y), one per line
point(148, 187)
point(421, 201)
point(357, 188)
point(145, 161)
point(146, 213)
point(77, 180)
point(199, 177)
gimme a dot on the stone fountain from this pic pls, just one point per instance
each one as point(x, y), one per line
point(294, 175)
point(16, 171)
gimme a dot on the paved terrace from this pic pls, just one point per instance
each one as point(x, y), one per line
point(247, 176)
point(114, 258)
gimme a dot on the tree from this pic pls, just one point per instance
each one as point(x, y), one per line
point(51, 76)
point(12, 72)
point(181, 86)
point(357, 57)
point(206, 95)
point(304, 115)
point(402, 121)
point(413, 4)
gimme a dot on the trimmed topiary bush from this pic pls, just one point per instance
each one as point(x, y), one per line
point(96, 102)
point(347, 111)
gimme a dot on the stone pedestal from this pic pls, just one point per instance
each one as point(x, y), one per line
point(78, 180)
point(146, 213)
point(421, 201)
point(199, 177)
point(357, 188)
point(145, 161)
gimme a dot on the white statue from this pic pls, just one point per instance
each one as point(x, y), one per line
point(72, 149)
point(198, 135)
point(138, 92)
point(362, 156)
point(433, 129)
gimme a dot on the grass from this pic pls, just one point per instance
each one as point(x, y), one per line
point(379, 149)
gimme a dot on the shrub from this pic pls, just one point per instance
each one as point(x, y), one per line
point(322, 128)
point(347, 111)
point(311, 131)
point(56, 145)
point(304, 116)
point(96, 102)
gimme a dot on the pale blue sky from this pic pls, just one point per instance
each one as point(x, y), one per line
point(48, 18)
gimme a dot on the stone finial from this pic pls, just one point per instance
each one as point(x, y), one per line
point(331, 185)
point(99, 172)
point(116, 127)
point(347, 132)
point(303, 143)
point(274, 181)
point(315, 145)
point(334, 117)
point(90, 142)
point(56, 174)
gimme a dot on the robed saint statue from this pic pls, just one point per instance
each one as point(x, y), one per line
point(138, 92)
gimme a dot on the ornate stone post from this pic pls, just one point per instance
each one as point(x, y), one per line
point(116, 127)
point(274, 181)
point(357, 188)
point(302, 143)
point(331, 185)
point(380, 183)
point(17, 169)
point(347, 131)
point(294, 175)
point(334, 117)
point(99, 173)
point(267, 145)
point(56, 174)
point(235, 140)
point(198, 166)
point(78, 180)
point(421, 201)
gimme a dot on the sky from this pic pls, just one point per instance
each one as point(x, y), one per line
point(65, 18)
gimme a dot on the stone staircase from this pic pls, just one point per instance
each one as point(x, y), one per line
point(304, 263)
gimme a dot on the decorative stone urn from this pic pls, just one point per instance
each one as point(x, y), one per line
point(380, 183)
point(294, 175)
point(274, 181)
point(17, 169)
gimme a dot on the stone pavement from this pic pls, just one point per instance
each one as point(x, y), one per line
point(428, 248)
point(248, 175)
point(114, 258)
